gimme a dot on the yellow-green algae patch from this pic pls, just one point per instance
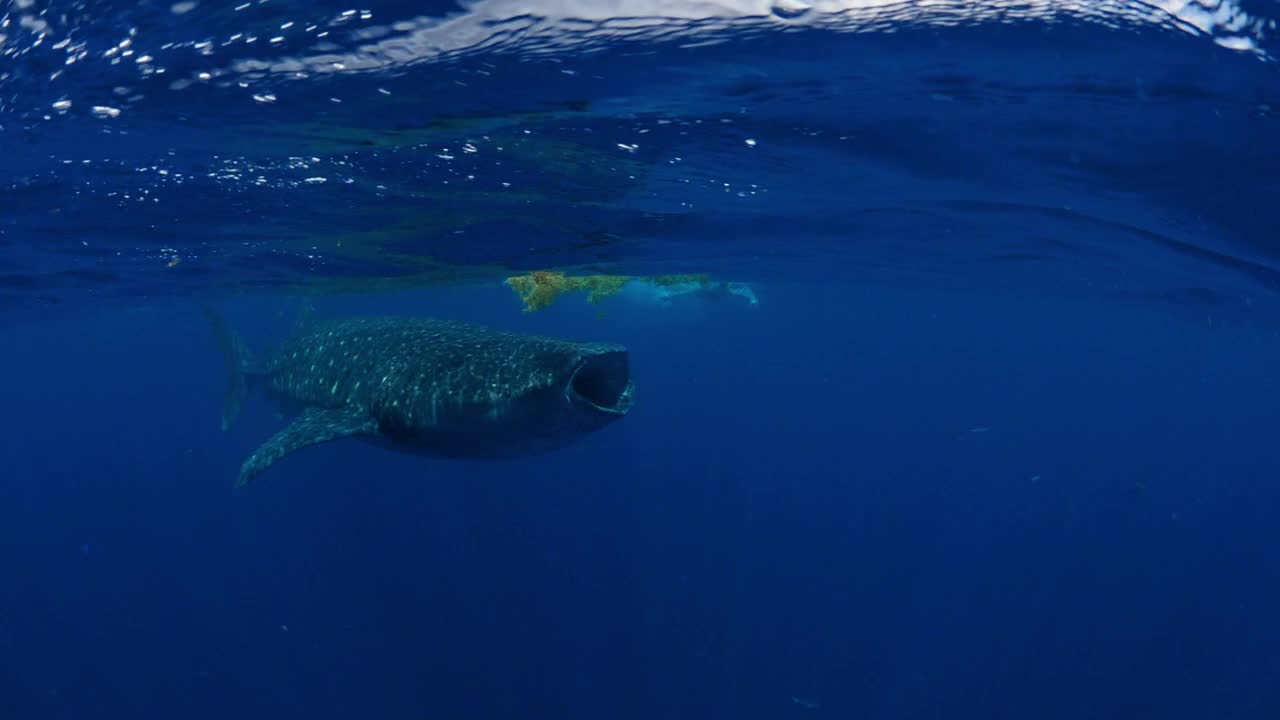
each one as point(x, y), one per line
point(540, 288)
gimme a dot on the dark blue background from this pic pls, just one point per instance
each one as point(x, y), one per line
point(798, 507)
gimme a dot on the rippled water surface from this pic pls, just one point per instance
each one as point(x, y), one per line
point(1122, 148)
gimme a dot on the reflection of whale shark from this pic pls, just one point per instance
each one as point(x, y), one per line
point(428, 386)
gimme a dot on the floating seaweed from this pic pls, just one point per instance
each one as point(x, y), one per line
point(540, 288)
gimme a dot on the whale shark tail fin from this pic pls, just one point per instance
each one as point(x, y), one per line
point(240, 365)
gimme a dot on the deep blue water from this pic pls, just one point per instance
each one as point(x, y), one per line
point(997, 441)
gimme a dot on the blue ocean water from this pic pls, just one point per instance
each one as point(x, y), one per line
point(985, 430)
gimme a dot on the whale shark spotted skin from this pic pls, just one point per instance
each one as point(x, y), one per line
point(434, 387)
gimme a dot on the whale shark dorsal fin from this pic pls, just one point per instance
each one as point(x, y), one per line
point(312, 427)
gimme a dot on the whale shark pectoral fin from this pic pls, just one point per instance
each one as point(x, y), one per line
point(312, 427)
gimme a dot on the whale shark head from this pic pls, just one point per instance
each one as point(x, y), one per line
point(518, 396)
point(599, 387)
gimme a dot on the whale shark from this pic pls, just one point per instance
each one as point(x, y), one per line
point(425, 386)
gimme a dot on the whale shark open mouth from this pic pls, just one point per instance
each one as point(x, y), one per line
point(603, 381)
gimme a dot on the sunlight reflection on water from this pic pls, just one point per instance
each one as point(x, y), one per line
point(190, 44)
